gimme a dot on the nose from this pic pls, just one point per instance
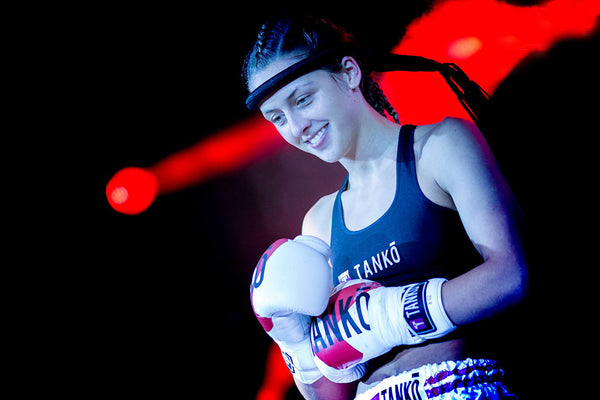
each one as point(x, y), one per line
point(298, 124)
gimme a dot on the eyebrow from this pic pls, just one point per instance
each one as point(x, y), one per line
point(291, 95)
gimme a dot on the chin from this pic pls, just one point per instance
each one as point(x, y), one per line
point(328, 158)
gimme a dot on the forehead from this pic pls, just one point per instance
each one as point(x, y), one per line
point(273, 68)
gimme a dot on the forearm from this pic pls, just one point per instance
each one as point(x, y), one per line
point(325, 389)
point(485, 290)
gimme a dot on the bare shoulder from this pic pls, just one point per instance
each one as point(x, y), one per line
point(452, 141)
point(317, 221)
point(446, 153)
point(447, 135)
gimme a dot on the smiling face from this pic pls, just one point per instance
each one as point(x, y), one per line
point(317, 112)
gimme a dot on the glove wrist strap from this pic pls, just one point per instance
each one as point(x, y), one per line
point(424, 311)
point(299, 360)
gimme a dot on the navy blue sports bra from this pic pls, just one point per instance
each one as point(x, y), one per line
point(414, 240)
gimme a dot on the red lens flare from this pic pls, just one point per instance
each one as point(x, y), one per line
point(131, 190)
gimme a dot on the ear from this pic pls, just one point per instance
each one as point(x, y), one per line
point(351, 71)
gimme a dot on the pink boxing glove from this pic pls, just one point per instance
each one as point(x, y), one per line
point(365, 319)
point(292, 282)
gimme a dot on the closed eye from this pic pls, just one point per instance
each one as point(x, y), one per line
point(277, 119)
point(302, 101)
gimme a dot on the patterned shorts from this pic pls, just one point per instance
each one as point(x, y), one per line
point(465, 380)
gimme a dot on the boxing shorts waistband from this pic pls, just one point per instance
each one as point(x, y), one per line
point(469, 379)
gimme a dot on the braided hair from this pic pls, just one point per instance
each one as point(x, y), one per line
point(308, 36)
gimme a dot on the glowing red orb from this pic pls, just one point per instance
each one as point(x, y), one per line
point(131, 190)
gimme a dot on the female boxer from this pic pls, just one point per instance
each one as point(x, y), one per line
point(425, 204)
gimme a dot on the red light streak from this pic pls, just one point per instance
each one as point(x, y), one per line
point(132, 190)
point(226, 151)
point(486, 38)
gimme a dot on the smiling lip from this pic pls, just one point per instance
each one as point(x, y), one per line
point(318, 138)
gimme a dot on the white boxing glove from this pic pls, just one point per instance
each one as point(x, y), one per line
point(292, 282)
point(364, 320)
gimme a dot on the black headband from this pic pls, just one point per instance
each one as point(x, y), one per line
point(294, 71)
point(470, 95)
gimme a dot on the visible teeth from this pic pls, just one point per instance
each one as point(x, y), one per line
point(318, 136)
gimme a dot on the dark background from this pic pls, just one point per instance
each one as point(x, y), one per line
point(157, 304)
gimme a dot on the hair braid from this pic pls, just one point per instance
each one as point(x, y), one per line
point(260, 45)
point(377, 99)
point(259, 55)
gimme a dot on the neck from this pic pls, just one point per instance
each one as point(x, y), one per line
point(374, 149)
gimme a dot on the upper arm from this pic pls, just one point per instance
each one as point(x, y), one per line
point(317, 221)
point(467, 170)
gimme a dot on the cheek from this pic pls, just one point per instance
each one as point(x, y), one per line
point(339, 107)
point(288, 137)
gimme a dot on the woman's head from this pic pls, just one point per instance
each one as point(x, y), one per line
point(309, 43)
point(299, 37)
